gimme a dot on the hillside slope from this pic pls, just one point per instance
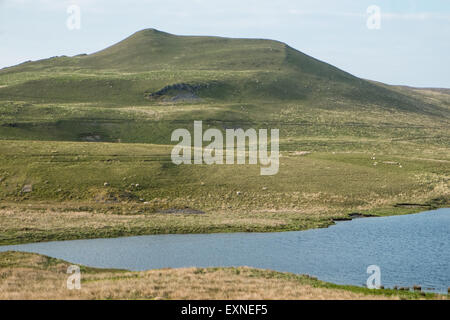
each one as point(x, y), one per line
point(221, 69)
point(141, 88)
point(90, 135)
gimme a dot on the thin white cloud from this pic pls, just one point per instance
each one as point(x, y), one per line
point(420, 16)
point(326, 13)
point(417, 16)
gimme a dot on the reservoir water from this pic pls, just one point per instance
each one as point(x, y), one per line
point(409, 249)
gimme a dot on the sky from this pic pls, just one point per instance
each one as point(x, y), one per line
point(407, 43)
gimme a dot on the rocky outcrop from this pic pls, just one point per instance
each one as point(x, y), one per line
point(178, 91)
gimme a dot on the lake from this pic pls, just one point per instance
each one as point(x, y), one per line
point(409, 249)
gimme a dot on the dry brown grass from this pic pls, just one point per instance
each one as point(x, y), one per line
point(33, 224)
point(33, 276)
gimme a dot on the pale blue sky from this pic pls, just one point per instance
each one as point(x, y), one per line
point(412, 47)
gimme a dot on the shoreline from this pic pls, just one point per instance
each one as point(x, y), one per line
point(236, 285)
point(393, 290)
point(205, 229)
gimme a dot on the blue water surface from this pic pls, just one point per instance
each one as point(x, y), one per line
point(409, 249)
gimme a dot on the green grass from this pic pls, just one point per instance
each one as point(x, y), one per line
point(308, 192)
point(314, 282)
point(50, 108)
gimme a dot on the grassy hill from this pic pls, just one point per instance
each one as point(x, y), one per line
point(70, 124)
point(224, 69)
point(248, 81)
